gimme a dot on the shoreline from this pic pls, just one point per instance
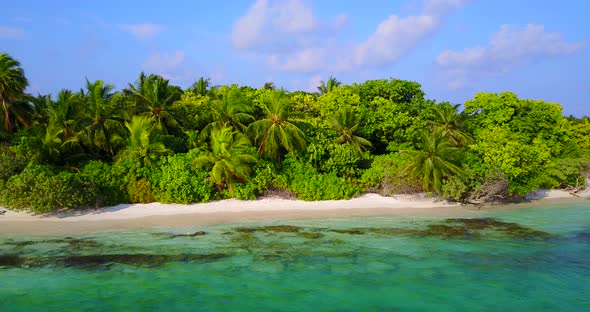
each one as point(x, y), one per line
point(233, 211)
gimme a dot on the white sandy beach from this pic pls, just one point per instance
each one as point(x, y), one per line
point(127, 216)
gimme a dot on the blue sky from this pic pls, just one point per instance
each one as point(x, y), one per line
point(454, 48)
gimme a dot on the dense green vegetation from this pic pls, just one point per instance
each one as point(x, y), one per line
point(153, 141)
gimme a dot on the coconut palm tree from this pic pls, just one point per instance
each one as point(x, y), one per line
point(201, 86)
point(141, 144)
point(433, 161)
point(447, 118)
point(12, 87)
point(100, 121)
point(226, 109)
point(347, 123)
point(63, 111)
point(328, 86)
point(276, 131)
point(52, 142)
point(39, 106)
point(230, 157)
point(153, 97)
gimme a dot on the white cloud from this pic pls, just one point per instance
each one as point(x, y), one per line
point(443, 7)
point(145, 31)
point(314, 83)
point(267, 21)
point(508, 48)
point(305, 60)
point(11, 32)
point(286, 34)
point(395, 37)
point(169, 65)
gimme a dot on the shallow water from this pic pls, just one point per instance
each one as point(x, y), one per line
point(532, 259)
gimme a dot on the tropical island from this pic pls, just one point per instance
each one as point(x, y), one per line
point(155, 142)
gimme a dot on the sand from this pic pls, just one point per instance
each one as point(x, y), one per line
point(139, 216)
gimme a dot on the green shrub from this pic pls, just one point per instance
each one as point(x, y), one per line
point(109, 182)
point(39, 189)
point(454, 188)
point(140, 191)
point(388, 175)
point(10, 164)
point(305, 182)
point(175, 181)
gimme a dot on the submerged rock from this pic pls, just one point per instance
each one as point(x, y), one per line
point(310, 235)
point(197, 233)
point(10, 261)
point(510, 229)
point(446, 231)
point(104, 261)
point(354, 231)
point(73, 243)
point(270, 228)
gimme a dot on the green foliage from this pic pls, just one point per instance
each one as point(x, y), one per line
point(109, 182)
point(10, 163)
point(12, 86)
point(308, 184)
point(346, 123)
point(229, 158)
point(276, 132)
point(454, 188)
point(153, 97)
point(387, 175)
point(342, 98)
point(343, 160)
point(140, 191)
point(142, 145)
point(505, 145)
point(328, 86)
point(521, 138)
point(175, 181)
point(39, 189)
point(581, 134)
point(434, 161)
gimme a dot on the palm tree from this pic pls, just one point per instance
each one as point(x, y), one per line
point(447, 119)
point(347, 123)
point(51, 144)
point(140, 144)
point(12, 87)
point(328, 86)
point(63, 112)
point(100, 121)
point(433, 161)
point(153, 97)
point(201, 86)
point(230, 157)
point(277, 131)
point(269, 86)
point(39, 106)
point(227, 109)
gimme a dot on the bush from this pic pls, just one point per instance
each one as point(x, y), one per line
point(265, 177)
point(388, 175)
point(174, 180)
point(39, 189)
point(140, 191)
point(10, 164)
point(109, 183)
point(308, 184)
point(454, 188)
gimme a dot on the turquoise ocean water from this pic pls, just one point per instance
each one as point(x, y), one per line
point(530, 259)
